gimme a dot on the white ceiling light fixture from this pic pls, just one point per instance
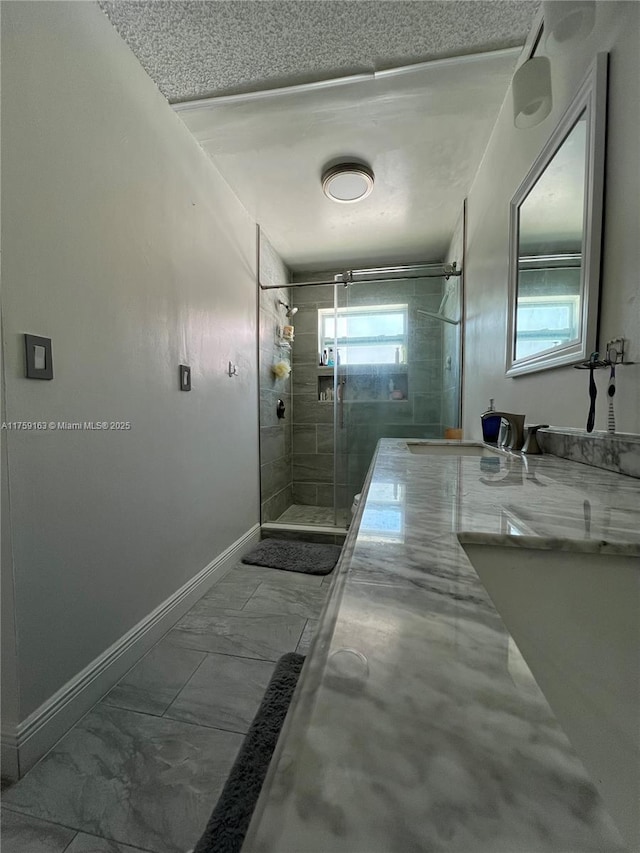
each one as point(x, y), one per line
point(566, 20)
point(347, 182)
point(531, 89)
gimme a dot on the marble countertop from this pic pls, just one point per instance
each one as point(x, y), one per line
point(417, 725)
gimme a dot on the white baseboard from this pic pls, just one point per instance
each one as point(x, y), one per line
point(23, 745)
point(9, 755)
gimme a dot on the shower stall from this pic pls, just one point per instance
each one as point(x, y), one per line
point(373, 353)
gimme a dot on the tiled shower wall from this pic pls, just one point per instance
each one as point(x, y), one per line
point(276, 486)
point(420, 415)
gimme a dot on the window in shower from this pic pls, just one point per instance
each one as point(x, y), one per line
point(369, 335)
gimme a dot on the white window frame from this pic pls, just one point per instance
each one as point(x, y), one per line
point(401, 341)
point(570, 301)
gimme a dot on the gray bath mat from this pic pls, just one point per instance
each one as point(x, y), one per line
point(291, 556)
point(230, 818)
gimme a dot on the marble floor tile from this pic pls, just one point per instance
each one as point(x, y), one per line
point(225, 693)
point(307, 636)
point(24, 834)
point(140, 780)
point(232, 592)
point(298, 601)
point(251, 635)
point(84, 843)
point(264, 574)
point(155, 681)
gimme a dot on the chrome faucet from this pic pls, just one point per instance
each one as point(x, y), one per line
point(515, 435)
point(531, 446)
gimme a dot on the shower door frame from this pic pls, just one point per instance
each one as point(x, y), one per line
point(342, 420)
point(345, 280)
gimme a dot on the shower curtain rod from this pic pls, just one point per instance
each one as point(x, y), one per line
point(340, 277)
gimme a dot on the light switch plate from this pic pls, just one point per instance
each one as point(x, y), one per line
point(185, 377)
point(39, 358)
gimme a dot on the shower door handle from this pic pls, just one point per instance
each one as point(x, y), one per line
point(341, 383)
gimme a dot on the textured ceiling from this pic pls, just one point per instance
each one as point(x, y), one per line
point(198, 49)
point(423, 132)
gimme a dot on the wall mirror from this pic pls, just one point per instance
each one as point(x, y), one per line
point(555, 237)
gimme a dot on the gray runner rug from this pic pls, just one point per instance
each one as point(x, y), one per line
point(229, 821)
point(292, 556)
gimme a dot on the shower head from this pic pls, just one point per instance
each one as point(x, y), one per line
point(290, 311)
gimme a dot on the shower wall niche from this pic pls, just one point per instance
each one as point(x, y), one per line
point(367, 385)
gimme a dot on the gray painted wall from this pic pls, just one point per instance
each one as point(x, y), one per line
point(123, 244)
point(418, 416)
point(559, 396)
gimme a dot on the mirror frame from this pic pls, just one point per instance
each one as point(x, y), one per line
point(591, 98)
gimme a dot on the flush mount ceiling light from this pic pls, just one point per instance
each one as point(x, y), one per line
point(565, 20)
point(531, 88)
point(347, 182)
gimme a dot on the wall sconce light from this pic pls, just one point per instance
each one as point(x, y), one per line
point(531, 88)
point(565, 20)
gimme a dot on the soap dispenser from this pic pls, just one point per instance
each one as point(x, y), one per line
point(490, 424)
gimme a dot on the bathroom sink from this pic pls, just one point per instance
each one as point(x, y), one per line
point(434, 448)
point(575, 616)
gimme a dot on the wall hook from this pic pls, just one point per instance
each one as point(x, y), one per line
point(232, 370)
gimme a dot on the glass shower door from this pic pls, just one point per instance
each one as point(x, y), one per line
point(372, 323)
point(394, 374)
point(398, 374)
point(342, 497)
